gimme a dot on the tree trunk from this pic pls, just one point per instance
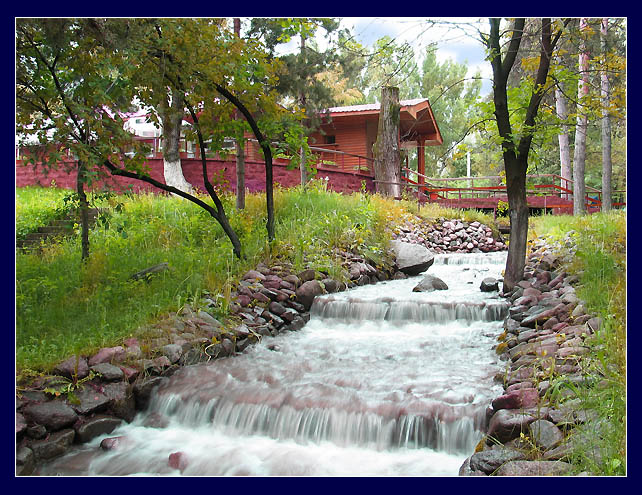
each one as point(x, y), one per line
point(304, 171)
point(302, 102)
point(240, 148)
point(240, 174)
point(518, 211)
point(566, 171)
point(84, 212)
point(607, 166)
point(579, 157)
point(387, 162)
point(172, 118)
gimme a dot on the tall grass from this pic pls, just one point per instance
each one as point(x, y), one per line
point(600, 262)
point(65, 307)
point(36, 206)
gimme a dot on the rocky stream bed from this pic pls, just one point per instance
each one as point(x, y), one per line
point(545, 331)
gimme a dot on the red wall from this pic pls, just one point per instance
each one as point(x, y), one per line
point(192, 170)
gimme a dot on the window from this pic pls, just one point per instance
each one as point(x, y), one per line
point(330, 139)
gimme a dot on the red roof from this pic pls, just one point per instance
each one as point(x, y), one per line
point(417, 121)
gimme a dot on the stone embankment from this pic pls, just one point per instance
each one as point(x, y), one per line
point(89, 396)
point(531, 426)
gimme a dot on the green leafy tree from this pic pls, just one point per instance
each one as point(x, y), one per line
point(516, 129)
point(214, 71)
point(452, 95)
point(391, 64)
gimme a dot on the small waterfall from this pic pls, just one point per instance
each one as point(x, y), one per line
point(380, 381)
point(385, 309)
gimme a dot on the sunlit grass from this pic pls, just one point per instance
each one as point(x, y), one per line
point(600, 262)
point(64, 308)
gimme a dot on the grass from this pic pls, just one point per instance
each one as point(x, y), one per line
point(66, 308)
point(600, 263)
point(37, 206)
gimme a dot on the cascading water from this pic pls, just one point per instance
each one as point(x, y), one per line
point(382, 381)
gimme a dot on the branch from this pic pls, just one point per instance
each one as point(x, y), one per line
point(513, 47)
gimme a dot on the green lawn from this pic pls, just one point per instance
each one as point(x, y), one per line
point(600, 262)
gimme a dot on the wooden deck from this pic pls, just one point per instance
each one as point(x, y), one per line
point(545, 193)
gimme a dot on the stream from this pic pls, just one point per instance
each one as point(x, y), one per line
point(382, 381)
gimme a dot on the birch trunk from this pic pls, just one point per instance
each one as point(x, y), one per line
point(387, 163)
point(566, 171)
point(579, 157)
point(172, 117)
point(607, 166)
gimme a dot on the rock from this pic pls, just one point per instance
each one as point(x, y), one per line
point(173, 352)
point(130, 373)
point(306, 275)
point(107, 354)
point(489, 285)
point(114, 443)
point(89, 400)
point(594, 324)
point(108, 372)
point(277, 308)
point(253, 275)
point(507, 424)
point(429, 284)
point(121, 400)
point(465, 470)
point(25, 461)
point(545, 434)
point(534, 468)
point(306, 293)
point(53, 446)
point(68, 368)
point(143, 390)
point(54, 415)
point(412, 259)
point(209, 319)
point(541, 315)
point(490, 460)
point(330, 285)
point(177, 460)
point(21, 424)
point(517, 399)
point(228, 347)
point(96, 426)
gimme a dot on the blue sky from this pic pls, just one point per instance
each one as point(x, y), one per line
point(454, 38)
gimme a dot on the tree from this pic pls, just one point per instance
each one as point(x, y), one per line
point(579, 154)
point(239, 144)
point(298, 81)
point(452, 97)
point(607, 166)
point(391, 65)
point(566, 171)
point(62, 98)
point(515, 148)
point(172, 113)
point(215, 72)
point(386, 149)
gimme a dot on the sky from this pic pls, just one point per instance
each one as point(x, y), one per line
point(454, 38)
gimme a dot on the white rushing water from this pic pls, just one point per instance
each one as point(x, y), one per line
point(382, 381)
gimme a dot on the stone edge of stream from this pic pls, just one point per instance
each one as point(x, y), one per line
point(546, 334)
point(117, 382)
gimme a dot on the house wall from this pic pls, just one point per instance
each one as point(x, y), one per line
point(351, 136)
point(220, 172)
